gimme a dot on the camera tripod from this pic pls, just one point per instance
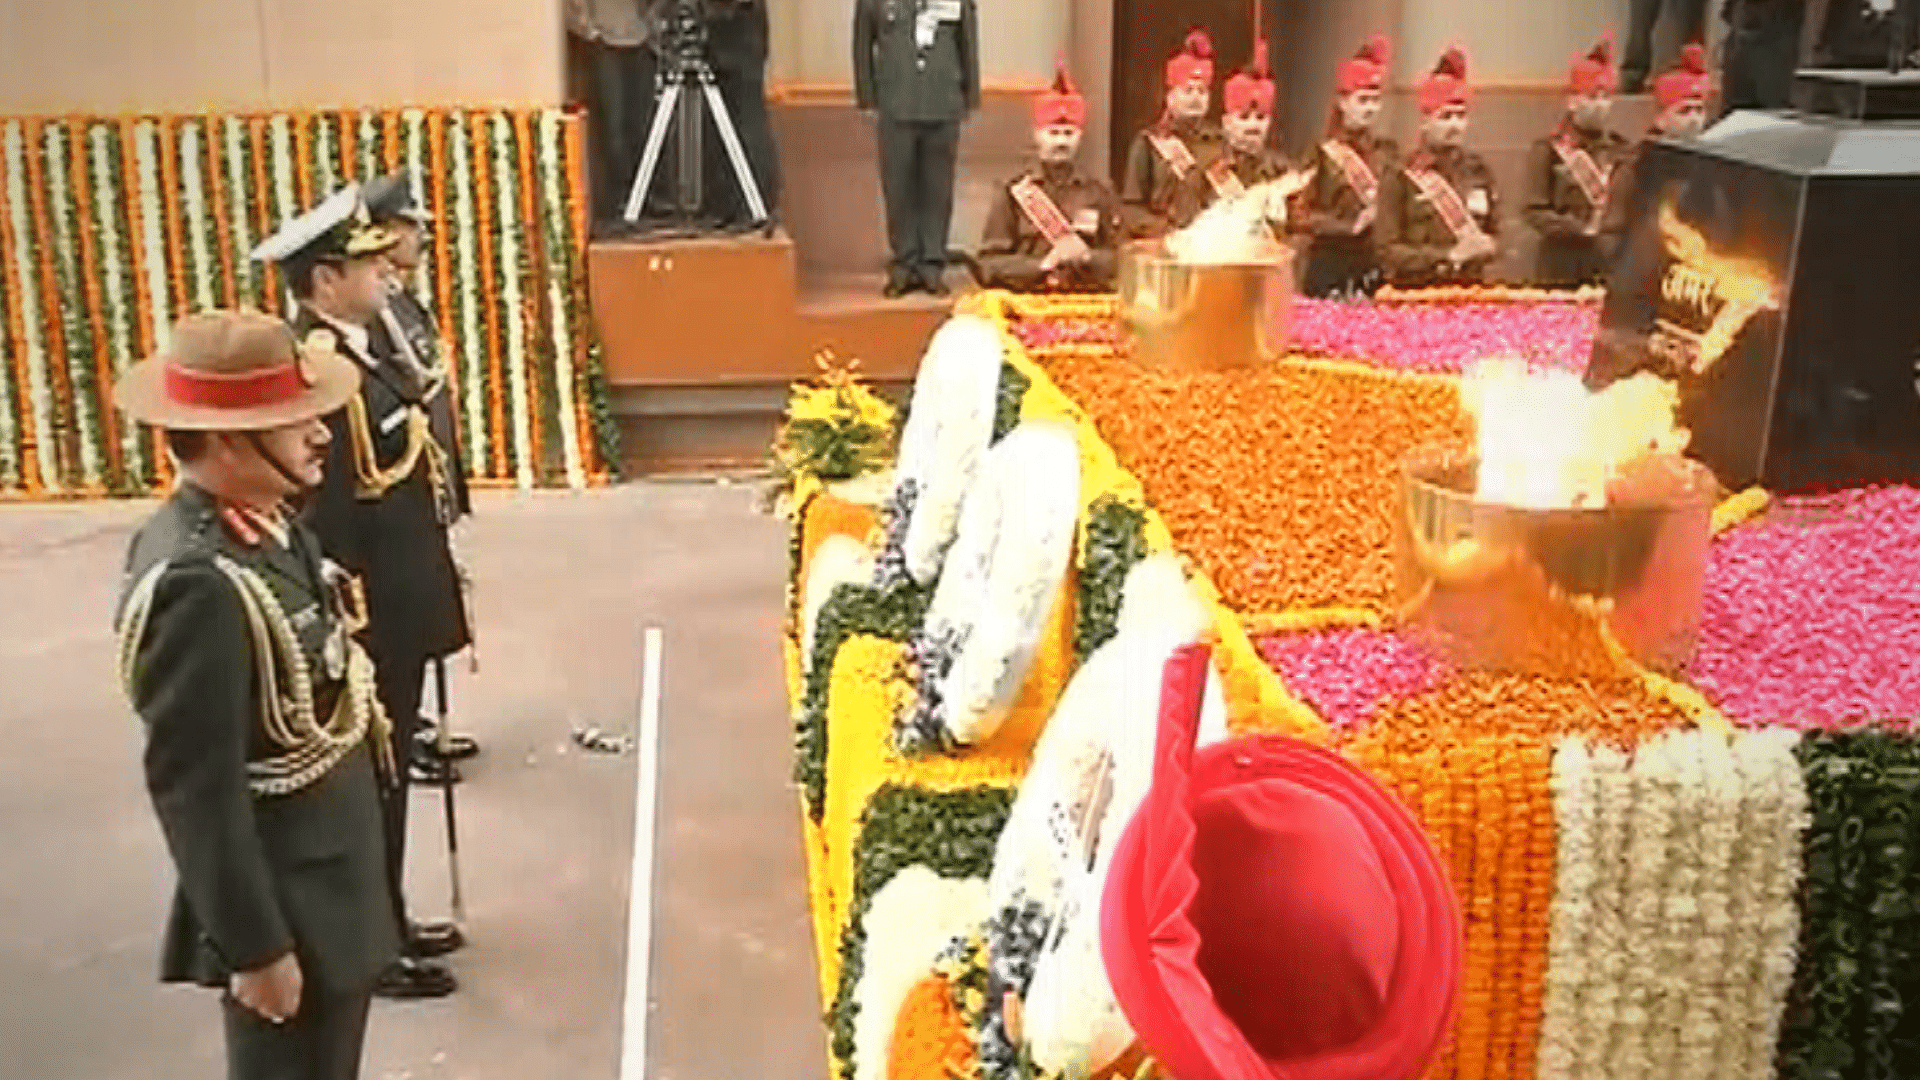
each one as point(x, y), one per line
point(686, 95)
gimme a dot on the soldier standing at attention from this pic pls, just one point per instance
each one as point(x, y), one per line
point(1440, 211)
point(1568, 174)
point(408, 332)
point(916, 68)
point(1338, 208)
point(382, 513)
point(1054, 227)
point(1180, 142)
point(264, 735)
point(1247, 157)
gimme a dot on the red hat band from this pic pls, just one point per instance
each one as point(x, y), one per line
point(1687, 82)
point(1447, 85)
point(1367, 68)
point(1251, 91)
point(1061, 103)
point(1274, 913)
point(244, 390)
point(1193, 63)
point(1594, 72)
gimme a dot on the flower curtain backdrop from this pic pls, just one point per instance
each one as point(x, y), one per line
point(112, 228)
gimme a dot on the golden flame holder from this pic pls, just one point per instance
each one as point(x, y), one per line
point(1204, 316)
point(1640, 562)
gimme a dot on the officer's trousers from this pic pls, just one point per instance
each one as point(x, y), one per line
point(917, 162)
point(323, 1041)
point(400, 679)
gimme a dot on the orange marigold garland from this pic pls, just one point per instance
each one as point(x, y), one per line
point(930, 1039)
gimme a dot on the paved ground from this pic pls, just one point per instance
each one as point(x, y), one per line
point(567, 585)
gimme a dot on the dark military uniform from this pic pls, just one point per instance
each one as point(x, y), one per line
point(383, 513)
point(1562, 209)
point(1231, 172)
point(1151, 182)
point(1014, 243)
point(1412, 233)
point(1341, 262)
point(278, 847)
point(408, 332)
point(1615, 220)
point(916, 65)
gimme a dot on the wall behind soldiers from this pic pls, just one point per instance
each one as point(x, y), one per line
point(119, 56)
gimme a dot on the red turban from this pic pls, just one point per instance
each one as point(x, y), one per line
point(1594, 71)
point(1194, 61)
point(1447, 85)
point(1273, 912)
point(1367, 68)
point(1251, 90)
point(1061, 103)
point(1687, 82)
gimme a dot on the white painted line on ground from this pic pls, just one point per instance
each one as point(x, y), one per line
point(646, 792)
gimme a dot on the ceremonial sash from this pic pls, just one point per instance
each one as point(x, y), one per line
point(1585, 172)
point(1173, 152)
point(1040, 209)
point(1226, 183)
point(1446, 202)
point(1354, 167)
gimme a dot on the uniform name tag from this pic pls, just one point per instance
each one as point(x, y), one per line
point(392, 421)
point(944, 10)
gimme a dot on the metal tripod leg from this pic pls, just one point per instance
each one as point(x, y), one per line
point(730, 138)
point(663, 115)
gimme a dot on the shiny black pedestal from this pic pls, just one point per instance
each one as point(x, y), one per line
point(1773, 271)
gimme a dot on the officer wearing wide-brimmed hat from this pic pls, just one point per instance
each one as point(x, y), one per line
point(264, 736)
point(408, 334)
point(382, 512)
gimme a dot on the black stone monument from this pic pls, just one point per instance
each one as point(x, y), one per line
point(1773, 271)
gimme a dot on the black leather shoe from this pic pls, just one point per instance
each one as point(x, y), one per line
point(934, 283)
point(459, 747)
point(429, 770)
point(427, 940)
point(899, 285)
point(408, 979)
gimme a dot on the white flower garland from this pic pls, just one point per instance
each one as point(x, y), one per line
point(56, 152)
point(326, 175)
point(1002, 577)
point(1572, 914)
point(1774, 830)
point(367, 141)
point(1705, 1011)
point(234, 138)
point(193, 192)
point(467, 296)
point(512, 314)
point(10, 468)
point(286, 203)
point(27, 272)
point(947, 434)
point(909, 920)
point(559, 303)
point(414, 162)
point(839, 560)
point(114, 283)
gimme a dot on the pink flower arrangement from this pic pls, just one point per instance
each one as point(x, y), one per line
point(1344, 674)
point(1442, 338)
point(1812, 615)
point(1039, 335)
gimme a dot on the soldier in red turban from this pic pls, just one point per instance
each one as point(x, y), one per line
point(1054, 227)
point(1680, 97)
point(1338, 208)
point(1180, 142)
point(1440, 211)
point(1568, 176)
point(1247, 157)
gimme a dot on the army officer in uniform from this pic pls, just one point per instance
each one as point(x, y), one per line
point(916, 68)
point(407, 332)
point(264, 734)
point(382, 512)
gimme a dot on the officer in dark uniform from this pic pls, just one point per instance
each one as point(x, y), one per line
point(382, 512)
point(407, 332)
point(264, 735)
point(916, 67)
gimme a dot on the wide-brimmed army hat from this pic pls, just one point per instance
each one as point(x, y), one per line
point(237, 371)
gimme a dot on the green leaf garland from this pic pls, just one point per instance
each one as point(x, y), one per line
point(1007, 399)
point(951, 833)
point(1854, 1012)
point(606, 430)
point(892, 613)
point(1115, 542)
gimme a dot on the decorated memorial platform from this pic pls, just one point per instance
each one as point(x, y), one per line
point(1706, 872)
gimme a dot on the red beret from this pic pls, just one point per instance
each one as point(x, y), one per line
point(1061, 103)
point(1367, 68)
point(1687, 82)
point(1273, 912)
point(1194, 61)
point(1251, 90)
point(1594, 71)
point(1447, 85)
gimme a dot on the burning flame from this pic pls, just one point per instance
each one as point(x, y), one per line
point(1236, 229)
point(1546, 442)
point(1699, 277)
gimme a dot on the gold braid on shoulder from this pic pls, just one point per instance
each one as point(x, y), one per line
point(372, 481)
point(309, 749)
